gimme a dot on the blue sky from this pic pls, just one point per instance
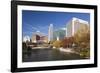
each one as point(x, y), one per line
point(33, 21)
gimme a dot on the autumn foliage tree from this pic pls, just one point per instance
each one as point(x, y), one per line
point(82, 37)
point(57, 44)
point(82, 40)
point(67, 41)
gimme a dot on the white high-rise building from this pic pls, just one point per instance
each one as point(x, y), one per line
point(73, 25)
point(50, 33)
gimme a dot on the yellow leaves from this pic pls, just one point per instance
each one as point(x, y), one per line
point(57, 44)
point(82, 36)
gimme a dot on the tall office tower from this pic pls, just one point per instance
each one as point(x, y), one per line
point(73, 26)
point(50, 33)
point(61, 33)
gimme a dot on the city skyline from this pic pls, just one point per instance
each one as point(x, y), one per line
point(33, 21)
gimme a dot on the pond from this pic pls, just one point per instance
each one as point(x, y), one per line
point(48, 55)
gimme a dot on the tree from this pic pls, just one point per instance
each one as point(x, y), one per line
point(67, 41)
point(82, 37)
point(24, 45)
point(82, 40)
point(57, 44)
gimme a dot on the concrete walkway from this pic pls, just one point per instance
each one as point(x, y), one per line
point(68, 50)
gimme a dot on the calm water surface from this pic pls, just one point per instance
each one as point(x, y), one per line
point(48, 55)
